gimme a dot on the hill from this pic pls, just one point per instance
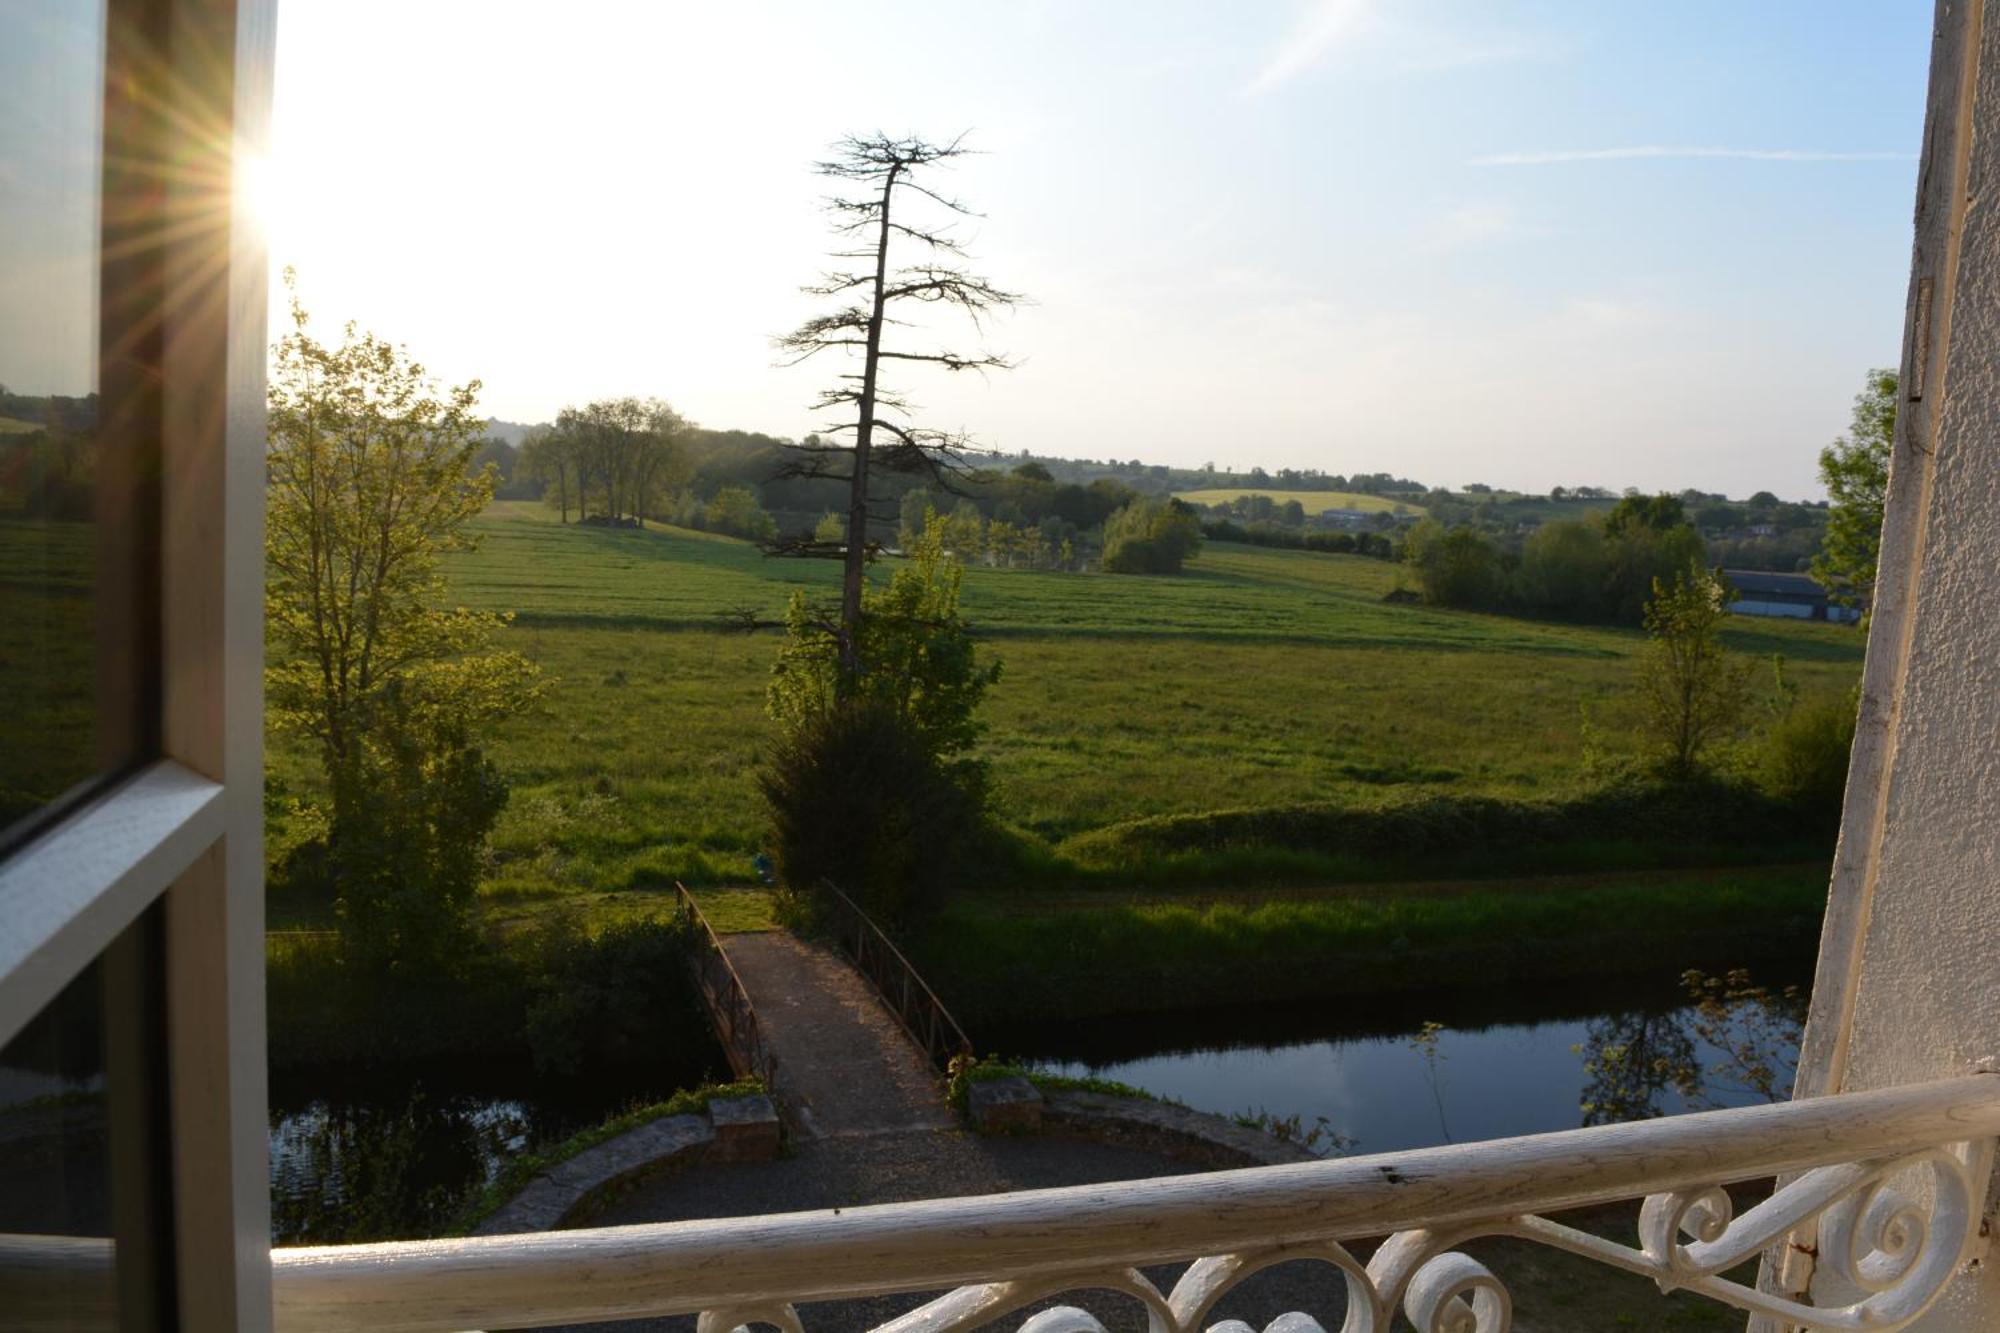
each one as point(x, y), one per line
point(1313, 502)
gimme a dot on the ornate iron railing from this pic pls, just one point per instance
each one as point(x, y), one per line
point(728, 1003)
point(1892, 1183)
point(909, 998)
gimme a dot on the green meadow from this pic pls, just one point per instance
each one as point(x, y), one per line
point(1313, 502)
point(1260, 678)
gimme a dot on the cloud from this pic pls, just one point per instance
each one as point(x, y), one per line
point(1637, 152)
point(1323, 27)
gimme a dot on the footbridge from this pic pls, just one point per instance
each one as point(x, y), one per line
point(847, 1036)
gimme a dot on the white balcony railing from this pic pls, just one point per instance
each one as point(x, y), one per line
point(1894, 1181)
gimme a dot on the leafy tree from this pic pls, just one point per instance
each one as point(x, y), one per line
point(1454, 566)
point(1855, 471)
point(918, 659)
point(1640, 556)
point(1564, 570)
point(889, 171)
point(1032, 471)
point(831, 528)
point(622, 456)
point(735, 510)
point(1151, 536)
point(1693, 693)
point(870, 783)
point(368, 486)
point(1660, 513)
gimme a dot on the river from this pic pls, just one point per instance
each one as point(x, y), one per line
point(1506, 1061)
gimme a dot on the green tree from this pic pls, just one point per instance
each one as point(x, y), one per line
point(871, 783)
point(1454, 566)
point(1151, 536)
point(1657, 512)
point(1855, 471)
point(1564, 569)
point(1692, 692)
point(735, 510)
point(368, 486)
point(918, 658)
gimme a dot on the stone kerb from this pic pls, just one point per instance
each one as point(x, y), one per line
point(1014, 1105)
point(734, 1129)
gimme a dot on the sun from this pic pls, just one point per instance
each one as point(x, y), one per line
point(265, 195)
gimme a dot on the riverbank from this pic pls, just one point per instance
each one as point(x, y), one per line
point(996, 964)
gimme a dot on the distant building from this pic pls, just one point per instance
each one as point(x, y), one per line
point(1760, 592)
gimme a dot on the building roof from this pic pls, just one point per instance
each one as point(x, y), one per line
point(1765, 583)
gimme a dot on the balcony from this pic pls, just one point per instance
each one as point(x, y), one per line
point(1884, 1195)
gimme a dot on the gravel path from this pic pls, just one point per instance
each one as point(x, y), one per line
point(841, 1053)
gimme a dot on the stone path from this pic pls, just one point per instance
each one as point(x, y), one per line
point(846, 1065)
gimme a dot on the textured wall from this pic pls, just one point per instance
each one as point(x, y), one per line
point(1909, 975)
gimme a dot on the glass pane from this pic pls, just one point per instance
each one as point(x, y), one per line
point(83, 1227)
point(59, 660)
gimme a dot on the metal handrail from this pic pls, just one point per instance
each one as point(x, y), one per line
point(916, 1006)
point(728, 1000)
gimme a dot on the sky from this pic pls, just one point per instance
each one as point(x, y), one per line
point(1526, 244)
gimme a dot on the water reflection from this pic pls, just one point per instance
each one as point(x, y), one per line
point(393, 1153)
point(1501, 1062)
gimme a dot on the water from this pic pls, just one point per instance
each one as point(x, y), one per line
point(1505, 1062)
point(382, 1153)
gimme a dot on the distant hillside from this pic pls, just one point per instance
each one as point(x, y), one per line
point(1313, 502)
point(513, 432)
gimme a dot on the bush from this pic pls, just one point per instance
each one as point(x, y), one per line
point(413, 801)
point(1803, 757)
point(619, 997)
point(1454, 566)
point(1152, 536)
point(1564, 567)
point(1640, 824)
point(858, 797)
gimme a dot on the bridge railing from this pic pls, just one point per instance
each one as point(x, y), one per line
point(728, 1002)
point(897, 981)
point(1885, 1191)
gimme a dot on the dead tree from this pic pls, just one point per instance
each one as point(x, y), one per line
point(885, 172)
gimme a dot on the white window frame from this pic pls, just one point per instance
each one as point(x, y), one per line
point(187, 829)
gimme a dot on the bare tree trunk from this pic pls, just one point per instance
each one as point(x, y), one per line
point(864, 433)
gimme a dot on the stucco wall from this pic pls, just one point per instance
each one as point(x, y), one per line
point(1909, 977)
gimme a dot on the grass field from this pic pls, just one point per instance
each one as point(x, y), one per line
point(1314, 502)
point(1259, 678)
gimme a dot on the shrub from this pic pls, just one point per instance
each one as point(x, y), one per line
point(1454, 566)
point(413, 802)
point(1692, 692)
point(1803, 757)
point(859, 797)
point(619, 997)
point(1563, 570)
point(1151, 536)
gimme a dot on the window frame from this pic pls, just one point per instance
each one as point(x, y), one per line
point(182, 304)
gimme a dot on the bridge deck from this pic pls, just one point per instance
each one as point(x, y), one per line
point(847, 1065)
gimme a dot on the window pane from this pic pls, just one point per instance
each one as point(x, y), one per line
point(69, 669)
point(83, 1218)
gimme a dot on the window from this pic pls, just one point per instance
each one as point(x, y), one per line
point(76, 634)
point(132, 1160)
